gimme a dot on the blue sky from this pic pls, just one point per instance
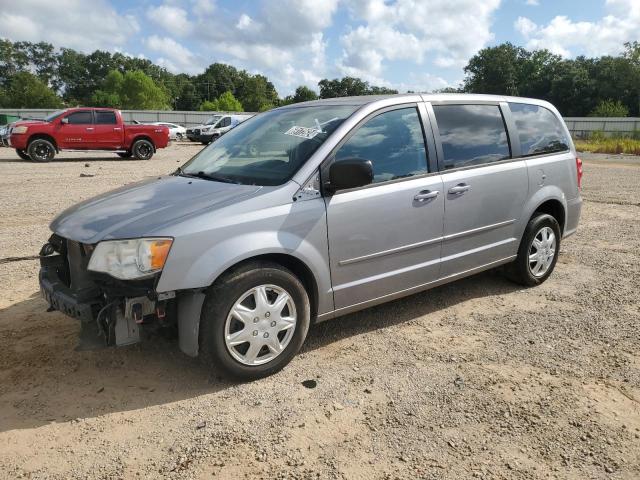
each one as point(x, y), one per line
point(405, 44)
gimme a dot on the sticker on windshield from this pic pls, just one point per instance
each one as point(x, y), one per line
point(303, 132)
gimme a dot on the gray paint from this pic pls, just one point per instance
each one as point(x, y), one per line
point(363, 246)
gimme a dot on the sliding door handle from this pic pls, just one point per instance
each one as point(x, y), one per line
point(459, 189)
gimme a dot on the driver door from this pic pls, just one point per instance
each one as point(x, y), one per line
point(386, 237)
point(76, 130)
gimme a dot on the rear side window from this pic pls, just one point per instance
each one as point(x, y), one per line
point(539, 130)
point(80, 118)
point(105, 118)
point(394, 143)
point(471, 135)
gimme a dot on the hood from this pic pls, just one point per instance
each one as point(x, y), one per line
point(142, 208)
point(26, 123)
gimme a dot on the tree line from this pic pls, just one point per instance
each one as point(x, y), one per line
point(37, 75)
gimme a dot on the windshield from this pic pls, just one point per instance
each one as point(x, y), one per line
point(53, 115)
point(213, 119)
point(268, 148)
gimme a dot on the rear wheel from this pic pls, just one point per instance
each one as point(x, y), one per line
point(254, 320)
point(23, 154)
point(142, 149)
point(538, 252)
point(41, 150)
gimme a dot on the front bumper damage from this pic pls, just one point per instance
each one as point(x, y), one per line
point(111, 312)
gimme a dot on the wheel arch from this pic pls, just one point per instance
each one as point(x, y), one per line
point(556, 209)
point(43, 136)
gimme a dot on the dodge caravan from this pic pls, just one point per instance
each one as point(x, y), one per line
point(314, 210)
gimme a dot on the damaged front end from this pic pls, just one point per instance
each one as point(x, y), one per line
point(112, 311)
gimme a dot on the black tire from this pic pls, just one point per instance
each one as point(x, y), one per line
point(220, 299)
point(520, 271)
point(142, 149)
point(124, 154)
point(41, 150)
point(23, 154)
point(179, 137)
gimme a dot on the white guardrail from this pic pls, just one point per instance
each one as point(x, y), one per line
point(184, 118)
point(578, 126)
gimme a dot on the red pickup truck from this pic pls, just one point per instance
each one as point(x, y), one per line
point(85, 129)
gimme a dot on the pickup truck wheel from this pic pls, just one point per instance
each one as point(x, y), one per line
point(538, 252)
point(254, 320)
point(41, 150)
point(23, 154)
point(125, 154)
point(142, 149)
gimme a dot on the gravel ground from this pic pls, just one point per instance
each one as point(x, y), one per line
point(476, 379)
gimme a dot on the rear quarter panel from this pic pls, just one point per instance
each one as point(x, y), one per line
point(158, 134)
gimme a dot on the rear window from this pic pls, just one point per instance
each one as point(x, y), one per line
point(105, 118)
point(539, 130)
point(471, 135)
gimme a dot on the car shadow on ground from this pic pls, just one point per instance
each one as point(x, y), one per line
point(44, 379)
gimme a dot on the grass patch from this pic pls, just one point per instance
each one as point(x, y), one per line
point(609, 145)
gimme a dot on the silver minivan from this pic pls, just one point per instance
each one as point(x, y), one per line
point(314, 210)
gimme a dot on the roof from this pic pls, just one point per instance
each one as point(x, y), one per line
point(414, 97)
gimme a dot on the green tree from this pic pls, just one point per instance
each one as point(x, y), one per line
point(610, 108)
point(304, 94)
point(25, 90)
point(209, 106)
point(348, 87)
point(228, 103)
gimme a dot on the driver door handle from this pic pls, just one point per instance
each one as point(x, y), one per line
point(426, 195)
point(459, 189)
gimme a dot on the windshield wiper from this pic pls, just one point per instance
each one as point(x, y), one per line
point(206, 176)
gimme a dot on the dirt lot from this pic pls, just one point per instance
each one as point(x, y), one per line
point(477, 379)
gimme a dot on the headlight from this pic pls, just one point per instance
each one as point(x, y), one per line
point(206, 129)
point(130, 259)
point(21, 129)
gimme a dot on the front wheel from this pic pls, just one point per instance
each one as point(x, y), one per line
point(41, 150)
point(23, 154)
point(142, 149)
point(254, 320)
point(538, 252)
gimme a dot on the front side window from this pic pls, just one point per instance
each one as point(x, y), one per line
point(471, 134)
point(80, 118)
point(225, 122)
point(269, 148)
point(539, 130)
point(105, 118)
point(394, 143)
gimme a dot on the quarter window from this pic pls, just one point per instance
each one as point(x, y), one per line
point(394, 143)
point(105, 118)
point(539, 130)
point(471, 135)
point(80, 118)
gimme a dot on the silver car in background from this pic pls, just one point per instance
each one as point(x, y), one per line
point(314, 210)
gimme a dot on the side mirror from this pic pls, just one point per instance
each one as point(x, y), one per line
point(350, 173)
point(65, 120)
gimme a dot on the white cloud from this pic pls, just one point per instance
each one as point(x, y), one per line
point(173, 19)
point(77, 24)
point(450, 30)
point(532, 3)
point(174, 56)
point(603, 37)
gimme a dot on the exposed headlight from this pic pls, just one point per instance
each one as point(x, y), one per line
point(130, 259)
point(20, 129)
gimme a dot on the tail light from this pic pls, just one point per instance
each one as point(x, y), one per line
point(579, 172)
